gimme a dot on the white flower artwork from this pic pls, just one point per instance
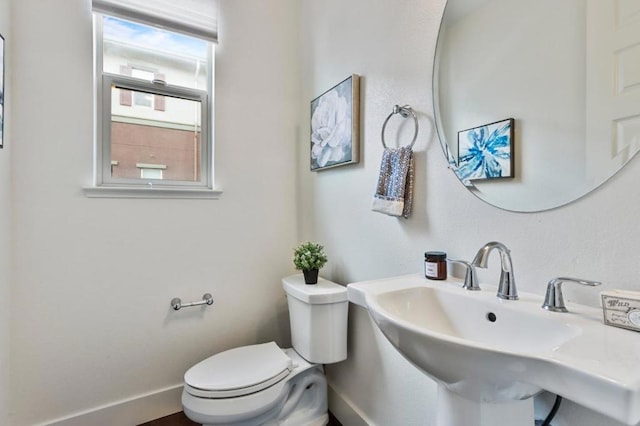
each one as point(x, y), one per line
point(334, 126)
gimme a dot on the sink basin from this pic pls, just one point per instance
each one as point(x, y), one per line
point(488, 350)
point(485, 322)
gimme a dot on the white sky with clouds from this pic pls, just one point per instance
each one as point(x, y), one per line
point(153, 38)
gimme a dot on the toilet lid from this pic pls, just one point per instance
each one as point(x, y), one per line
point(236, 369)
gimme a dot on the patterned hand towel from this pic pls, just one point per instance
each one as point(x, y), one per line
point(394, 194)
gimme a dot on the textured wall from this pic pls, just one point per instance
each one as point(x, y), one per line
point(391, 45)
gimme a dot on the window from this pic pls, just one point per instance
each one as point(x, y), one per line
point(151, 171)
point(142, 99)
point(153, 96)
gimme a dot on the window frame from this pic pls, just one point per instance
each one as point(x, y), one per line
point(105, 185)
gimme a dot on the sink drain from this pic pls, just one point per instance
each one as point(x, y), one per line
point(492, 317)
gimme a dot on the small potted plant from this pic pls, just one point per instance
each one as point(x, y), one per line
point(309, 258)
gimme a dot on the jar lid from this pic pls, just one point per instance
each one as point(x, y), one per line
point(435, 255)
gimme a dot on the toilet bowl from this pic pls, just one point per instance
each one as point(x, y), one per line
point(264, 384)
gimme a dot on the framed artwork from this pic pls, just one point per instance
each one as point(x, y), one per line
point(1, 91)
point(335, 125)
point(486, 152)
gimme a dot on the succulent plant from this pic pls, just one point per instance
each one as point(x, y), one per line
point(308, 256)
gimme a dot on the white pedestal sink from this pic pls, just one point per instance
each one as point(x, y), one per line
point(454, 410)
point(490, 356)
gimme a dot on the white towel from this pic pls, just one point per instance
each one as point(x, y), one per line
point(394, 193)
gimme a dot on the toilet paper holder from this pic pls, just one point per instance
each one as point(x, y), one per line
point(176, 302)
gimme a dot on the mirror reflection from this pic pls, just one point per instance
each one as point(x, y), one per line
point(567, 72)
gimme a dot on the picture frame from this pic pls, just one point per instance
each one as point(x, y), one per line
point(486, 152)
point(335, 126)
point(1, 91)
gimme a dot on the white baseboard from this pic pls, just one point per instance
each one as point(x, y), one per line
point(151, 406)
point(128, 412)
point(345, 410)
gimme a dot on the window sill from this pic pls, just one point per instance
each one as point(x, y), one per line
point(156, 192)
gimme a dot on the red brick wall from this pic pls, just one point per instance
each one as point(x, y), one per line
point(179, 150)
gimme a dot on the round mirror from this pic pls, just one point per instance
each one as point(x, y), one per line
point(537, 102)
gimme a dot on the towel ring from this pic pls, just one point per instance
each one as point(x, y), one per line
point(404, 111)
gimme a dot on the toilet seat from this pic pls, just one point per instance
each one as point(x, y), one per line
point(239, 371)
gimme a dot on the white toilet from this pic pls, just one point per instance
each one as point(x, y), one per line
point(266, 385)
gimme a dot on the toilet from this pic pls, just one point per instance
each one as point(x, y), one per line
point(264, 384)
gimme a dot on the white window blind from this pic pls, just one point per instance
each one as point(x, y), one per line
point(197, 18)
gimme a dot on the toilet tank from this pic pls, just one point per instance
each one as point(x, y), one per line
point(318, 317)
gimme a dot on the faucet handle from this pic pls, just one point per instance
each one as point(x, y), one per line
point(553, 300)
point(470, 277)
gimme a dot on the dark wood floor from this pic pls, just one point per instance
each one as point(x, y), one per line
point(179, 419)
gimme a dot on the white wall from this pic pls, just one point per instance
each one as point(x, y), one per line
point(5, 218)
point(93, 278)
point(391, 45)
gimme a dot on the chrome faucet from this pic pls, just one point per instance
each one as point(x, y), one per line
point(470, 278)
point(553, 300)
point(507, 286)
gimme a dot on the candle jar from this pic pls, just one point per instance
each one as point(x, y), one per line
point(435, 265)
